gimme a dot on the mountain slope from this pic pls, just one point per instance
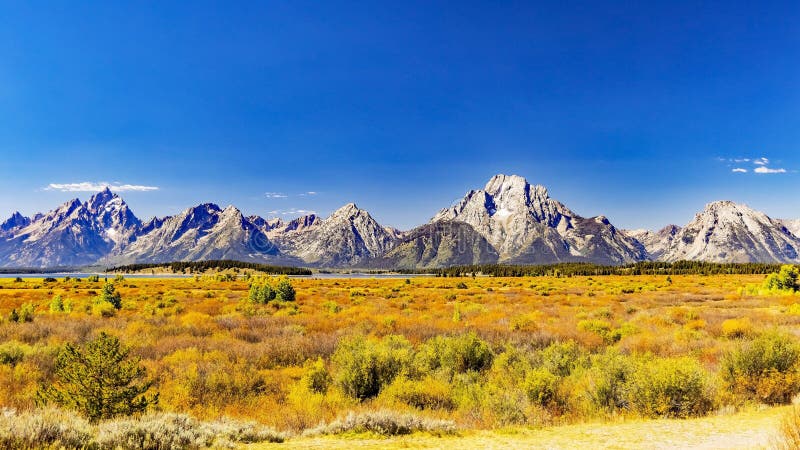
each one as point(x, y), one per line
point(74, 234)
point(202, 232)
point(439, 244)
point(348, 237)
point(729, 232)
point(655, 242)
point(792, 225)
point(68, 235)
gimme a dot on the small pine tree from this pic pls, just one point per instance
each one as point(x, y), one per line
point(111, 295)
point(284, 290)
point(98, 380)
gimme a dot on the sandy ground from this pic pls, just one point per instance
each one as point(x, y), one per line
point(747, 430)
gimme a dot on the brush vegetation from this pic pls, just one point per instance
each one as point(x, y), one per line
point(386, 356)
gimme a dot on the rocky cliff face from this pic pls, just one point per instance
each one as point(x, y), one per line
point(349, 237)
point(201, 233)
point(729, 232)
point(655, 243)
point(525, 225)
point(73, 234)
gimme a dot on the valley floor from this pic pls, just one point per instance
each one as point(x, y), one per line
point(755, 429)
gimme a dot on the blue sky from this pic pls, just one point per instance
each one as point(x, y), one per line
point(635, 110)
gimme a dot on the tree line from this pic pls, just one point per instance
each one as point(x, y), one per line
point(202, 266)
point(590, 269)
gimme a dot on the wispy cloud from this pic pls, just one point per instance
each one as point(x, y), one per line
point(760, 165)
point(282, 195)
point(94, 186)
point(292, 212)
point(765, 169)
point(761, 161)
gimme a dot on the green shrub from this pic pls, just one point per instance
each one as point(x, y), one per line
point(93, 278)
point(261, 292)
point(12, 352)
point(26, 312)
point(56, 304)
point(541, 386)
point(317, 379)
point(602, 328)
point(785, 280)
point(454, 354)
point(669, 387)
point(365, 366)
point(561, 358)
point(608, 378)
point(104, 309)
point(427, 393)
point(764, 369)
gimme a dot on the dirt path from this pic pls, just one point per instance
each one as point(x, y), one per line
point(747, 430)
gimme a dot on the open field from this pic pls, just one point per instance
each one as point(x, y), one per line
point(554, 360)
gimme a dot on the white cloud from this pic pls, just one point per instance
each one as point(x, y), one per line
point(764, 169)
point(292, 212)
point(275, 195)
point(761, 161)
point(94, 186)
point(739, 170)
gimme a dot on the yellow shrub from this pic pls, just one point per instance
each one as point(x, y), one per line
point(737, 328)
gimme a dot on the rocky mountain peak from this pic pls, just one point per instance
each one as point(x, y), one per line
point(101, 199)
point(347, 211)
point(732, 232)
point(16, 221)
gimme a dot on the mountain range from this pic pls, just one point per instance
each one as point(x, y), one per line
point(508, 221)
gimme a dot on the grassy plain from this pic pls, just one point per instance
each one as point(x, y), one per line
point(214, 353)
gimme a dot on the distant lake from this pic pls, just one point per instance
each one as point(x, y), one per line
point(180, 275)
point(364, 275)
point(84, 275)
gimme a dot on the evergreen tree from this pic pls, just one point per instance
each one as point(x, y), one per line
point(284, 290)
point(99, 380)
point(110, 295)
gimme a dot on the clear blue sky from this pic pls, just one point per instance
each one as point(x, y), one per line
point(634, 110)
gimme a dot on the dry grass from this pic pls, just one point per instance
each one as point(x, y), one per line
point(213, 354)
